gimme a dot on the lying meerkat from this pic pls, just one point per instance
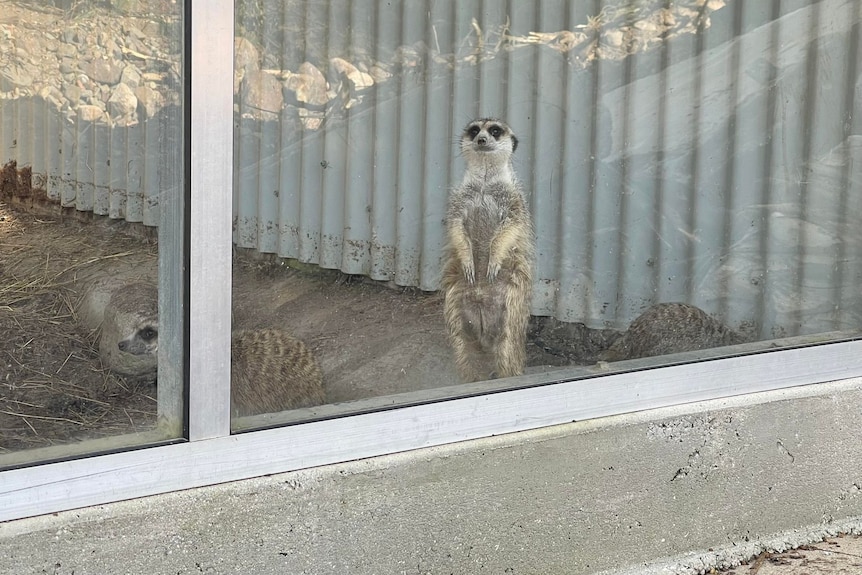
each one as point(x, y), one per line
point(129, 340)
point(270, 370)
point(487, 270)
point(666, 328)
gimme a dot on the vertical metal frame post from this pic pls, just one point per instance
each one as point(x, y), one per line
point(211, 176)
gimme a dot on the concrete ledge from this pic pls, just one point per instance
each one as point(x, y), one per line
point(674, 490)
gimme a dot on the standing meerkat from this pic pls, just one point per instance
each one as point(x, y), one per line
point(270, 370)
point(666, 328)
point(487, 270)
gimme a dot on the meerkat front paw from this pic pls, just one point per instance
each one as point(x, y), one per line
point(493, 270)
point(470, 272)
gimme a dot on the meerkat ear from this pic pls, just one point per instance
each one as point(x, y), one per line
point(514, 143)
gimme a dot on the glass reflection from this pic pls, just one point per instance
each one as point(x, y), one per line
point(91, 151)
point(689, 169)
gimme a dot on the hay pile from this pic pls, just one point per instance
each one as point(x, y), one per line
point(53, 388)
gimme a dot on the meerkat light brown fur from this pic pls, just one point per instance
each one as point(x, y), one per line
point(487, 271)
point(129, 341)
point(270, 370)
point(666, 328)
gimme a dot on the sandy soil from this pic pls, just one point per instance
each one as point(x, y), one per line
point(840, 555)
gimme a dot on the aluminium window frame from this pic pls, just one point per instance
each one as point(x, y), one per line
point(212, 455)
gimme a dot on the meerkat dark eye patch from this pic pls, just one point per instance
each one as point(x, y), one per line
point(148, 333)
point(473, 131)
point(495, 131)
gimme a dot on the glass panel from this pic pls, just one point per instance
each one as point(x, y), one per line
point(90, 226)
point(688, 183)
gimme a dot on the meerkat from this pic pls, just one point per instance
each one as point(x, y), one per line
point(487, 270)
point(129, 342)
point(666, 328)
point(270, 370)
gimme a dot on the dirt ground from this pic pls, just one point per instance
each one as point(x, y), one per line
point(840, 555)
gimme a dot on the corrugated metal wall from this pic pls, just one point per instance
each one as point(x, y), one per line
point(672, 151)
point(110, 171)
point(704, 155)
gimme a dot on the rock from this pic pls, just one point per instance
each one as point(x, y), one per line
point(113, 49)
point(313, 71)
point(410, 56)
point(379, 73)
point(51, 43)
point(53, 96)
point(31, 45)
point(68, 66)
point(309, 85)
point(360, 79)
point(93, 100)
point(104, 70)
point(246, 56)
point(310, 120)
point(123, 102)
point(131, 76)
point(87, 95)
point(152, 28)
point(65, 50)
point(139, 46)
point(150, 99)
point(12, 76)
point(135, 32)
point(103, 94)
point(89, 113)
point(614, 38)
point(262, 93)
point(91, 41)
point(72, 93)
point(246, 59)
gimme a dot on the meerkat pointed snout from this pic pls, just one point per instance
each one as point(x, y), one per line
point(487, 273)
point(143, 341)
